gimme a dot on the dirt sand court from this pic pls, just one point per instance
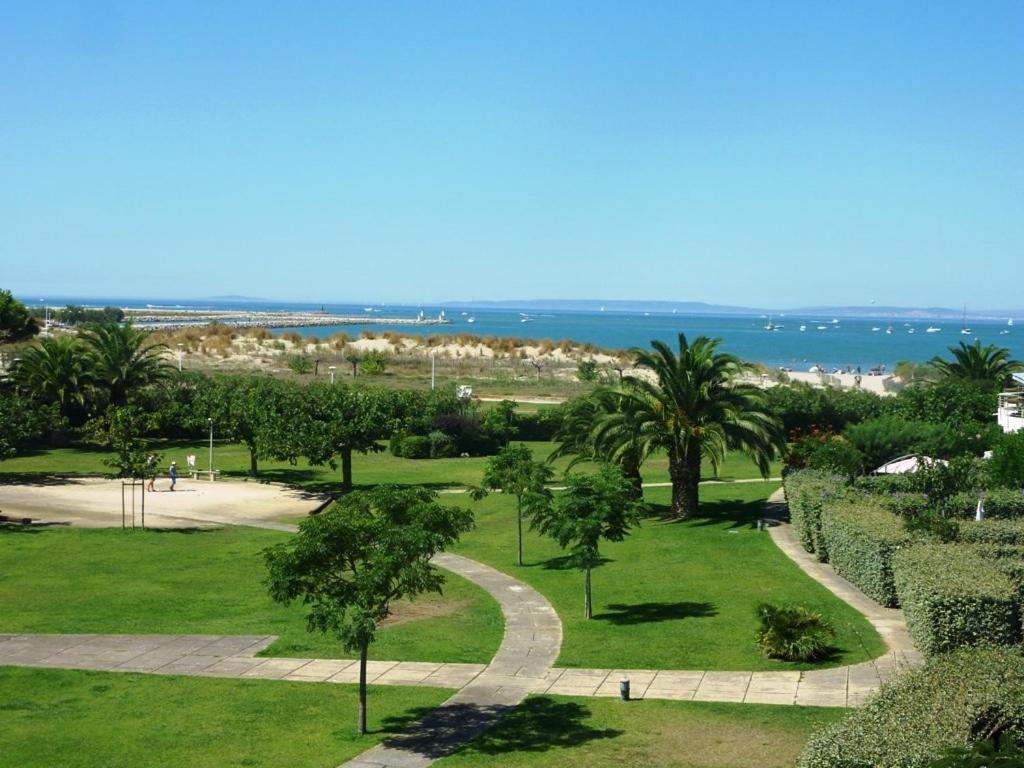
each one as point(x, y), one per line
point(96, 502)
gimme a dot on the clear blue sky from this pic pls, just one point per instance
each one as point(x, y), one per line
point(768, 153)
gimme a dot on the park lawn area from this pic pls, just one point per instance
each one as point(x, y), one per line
point(673, 595)
point(210, 582)
point(77, 719)
point(367, 469)
point(565, 732)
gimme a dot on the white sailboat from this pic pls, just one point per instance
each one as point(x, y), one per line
point(769, 326)
point(964, 329)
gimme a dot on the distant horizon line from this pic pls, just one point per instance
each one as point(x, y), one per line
point(615, 305)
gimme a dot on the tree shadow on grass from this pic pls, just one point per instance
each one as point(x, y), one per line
point(739, 513)
point(621, 614)
point(564, 563)
point(536, 725)
point(43, 478)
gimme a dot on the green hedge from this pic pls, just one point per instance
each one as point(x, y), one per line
point(806, 492)
point(1008, 532)
point(950, 702)
point(953, 596)
point(861, 539)
point(1004, 503)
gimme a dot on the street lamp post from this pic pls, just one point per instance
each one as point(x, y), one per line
point(330, 370)
point(210, 422)
point(179, 356)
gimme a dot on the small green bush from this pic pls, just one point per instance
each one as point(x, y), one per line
point(953, 597)
point(1006, 467)
point(906, 505)
point(1003, 503)
point(300, 365)
point(793, 633)
point(806, 492)
point(953, 701)
point(982, 754)
point(992, 532)
point(933, 525)
point(888, 437)
point(416, 447)
point(861, 538)
point(442, 446)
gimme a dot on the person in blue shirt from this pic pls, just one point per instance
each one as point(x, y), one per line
point(173, 473)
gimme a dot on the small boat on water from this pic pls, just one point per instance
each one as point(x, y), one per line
point(876, 328)
point(932, 329)
point(470, 319)
point(822, 327)
point(964, 329)
point(769, 326)
point(889, 330)
point(911, 330)
point(803, 328)
point(835, 321)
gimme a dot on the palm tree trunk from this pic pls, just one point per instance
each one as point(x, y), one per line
point(685, 474)
point(362, 689)
point(631, 469)
point(254, 468)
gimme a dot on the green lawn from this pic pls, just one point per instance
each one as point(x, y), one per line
point(673, 595)
point(209, 582)
point(371, 469)
point(565, 732)
point(77, 719)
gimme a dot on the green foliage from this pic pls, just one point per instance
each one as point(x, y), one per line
point(23, 422)
point(953, 597)
point(861, 539)
point(587, 371)
point(300, 365)
point(123, 360)
point(442, 446)
point(351, 562)
point(889, 437)
point(500, 421)
point(999, 532)
point(987, 365)
point(826, 453)
point(542, 425)
point(414, 447)
point(807, 491)
point(57, 371)
point(932, 524)
point(73, 314)
point(123, 429)
point(982, 754)
point(1006, 465)
point(693, 406)
point(793, 633)
point(803, 409)
point(999, 503)
point(592, 507)
point(16, 322)
point(941, 481)
point(953, 701)
point(375, 362)
point(958, 404)
point(907, 505)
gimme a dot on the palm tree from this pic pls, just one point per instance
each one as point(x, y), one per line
point(972, 362)
point(123, 361)
point(692, 406)
point(56, 370)
point(605, 426)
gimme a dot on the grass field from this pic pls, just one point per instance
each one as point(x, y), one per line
point(209, 582)
point(78, 719)
point(371, 469)
point(673, 595)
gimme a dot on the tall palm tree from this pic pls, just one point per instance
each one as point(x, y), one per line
point(56, 370)
point(122, 360)
point(973, 362)
point(692, 406)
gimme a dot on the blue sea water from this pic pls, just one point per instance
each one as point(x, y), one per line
point(850, 342)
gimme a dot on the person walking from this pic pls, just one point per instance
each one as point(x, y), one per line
point(173, 472)
point(151, 472)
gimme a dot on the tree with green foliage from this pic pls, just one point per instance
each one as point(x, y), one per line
point(73, 314)
point(338, 420)
point(375, 362)
point(1006, 466)
point(16, 322)
point(592, 507)
point(57, 370)
point(499, 421)
point(587, 371)
point(351, 562)
point(693, 405)
point(300, 365)
point(124, 360)
point(23, 421)
point(989, 365)
point(514, 471)
point(122, 429)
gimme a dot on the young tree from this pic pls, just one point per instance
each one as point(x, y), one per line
point(16, 322)
point(500, 421)
point(349, 563)
point(122, 429)
point(22, 421)
point(592, 507)
point(514, 471)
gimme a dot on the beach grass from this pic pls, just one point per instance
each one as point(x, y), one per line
point(75, 580)
point(673, 595)
point(78, 719)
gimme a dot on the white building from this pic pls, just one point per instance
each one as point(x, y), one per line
point(1011, 406)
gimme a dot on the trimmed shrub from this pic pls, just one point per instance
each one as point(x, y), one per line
point(998, 502)
point(861, 539)
point(806, 492)
point(953, 701)
point(906, 505)
point(953, 597)
point(1006, 467)
point(415, 447)
point(888, 437)
point(992, 532)
point(793, 633)
point(442, 446)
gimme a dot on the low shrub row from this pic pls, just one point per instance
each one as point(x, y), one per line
point(954, 700)
point(1009, 532)
point(861, 539)
point(953, 596)
point(1003, 503)
point(807, 491)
